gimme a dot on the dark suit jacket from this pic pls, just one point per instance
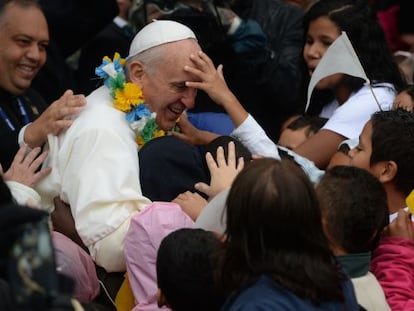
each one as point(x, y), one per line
point(33, 104)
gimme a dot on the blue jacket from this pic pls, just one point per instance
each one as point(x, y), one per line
point(267, 295)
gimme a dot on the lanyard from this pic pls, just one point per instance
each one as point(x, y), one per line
point(23, 113)
point(6, 119)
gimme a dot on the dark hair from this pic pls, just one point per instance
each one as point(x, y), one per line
point(184, 270)
point(274, 228)
point(223, 141)
point(354, 205)
point(312, 124)
point(393, 140)
point(170, 166)
point(356, 18)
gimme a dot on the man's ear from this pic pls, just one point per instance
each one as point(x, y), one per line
point(136, 72)
point(387, 171)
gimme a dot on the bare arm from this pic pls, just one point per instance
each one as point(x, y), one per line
point(320, 147)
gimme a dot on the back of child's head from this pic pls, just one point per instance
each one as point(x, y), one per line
point(184, 270)
point(358, 20)
point(274, 227)
point(354, 208)
point(392, 139)
point(299, 130)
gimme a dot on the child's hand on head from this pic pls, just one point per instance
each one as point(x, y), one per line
point(211, 80)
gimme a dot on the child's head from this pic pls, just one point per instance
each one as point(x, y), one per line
point(325, 21)
point(354, 209)
point(184, 271)
point(386, 149)
point(299, 130)
point(274, 227)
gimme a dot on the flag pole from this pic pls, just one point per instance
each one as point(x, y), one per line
point(375, 97)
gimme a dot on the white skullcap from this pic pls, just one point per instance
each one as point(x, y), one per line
point(159, 32)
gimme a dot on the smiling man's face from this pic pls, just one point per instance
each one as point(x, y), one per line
point(164, 89)
point(24, 38)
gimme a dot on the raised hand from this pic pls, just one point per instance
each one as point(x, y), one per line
point(191, 134)
point(24, 168)
point(222, 171)
point(401, 227)
point(211, 81)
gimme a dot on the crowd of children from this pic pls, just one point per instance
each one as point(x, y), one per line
point(318, 220)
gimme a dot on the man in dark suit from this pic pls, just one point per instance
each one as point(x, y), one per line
point(24, 39)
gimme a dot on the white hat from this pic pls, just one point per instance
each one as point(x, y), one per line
point(159, 32)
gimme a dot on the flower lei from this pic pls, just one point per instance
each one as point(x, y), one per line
point(128, 98)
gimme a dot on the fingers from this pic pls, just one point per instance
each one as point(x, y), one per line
point(401, 226)
point(220, 71)
point(31, 156)
point(231, 155)
point(21, 153)
point(240, 164)
point(220, 158)
point(211, 163)
point(41, 174)
point(34, 165)
point(202, 187)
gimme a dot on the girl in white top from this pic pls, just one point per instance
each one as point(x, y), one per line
point(349, 103)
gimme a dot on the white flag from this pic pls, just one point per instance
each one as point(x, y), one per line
point(340, 57)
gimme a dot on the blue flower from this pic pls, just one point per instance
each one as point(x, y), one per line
point(137, 113)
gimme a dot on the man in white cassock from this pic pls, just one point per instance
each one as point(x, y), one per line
point(95, 166)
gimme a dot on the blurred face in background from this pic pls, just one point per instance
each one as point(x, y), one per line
point(124, 6)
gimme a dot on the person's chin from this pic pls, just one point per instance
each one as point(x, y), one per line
point(166, 125)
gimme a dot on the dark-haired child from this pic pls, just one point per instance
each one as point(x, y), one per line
point(185, 271)
point(354, 213)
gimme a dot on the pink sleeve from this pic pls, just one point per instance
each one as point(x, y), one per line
point(146, 231)
point(393, 266)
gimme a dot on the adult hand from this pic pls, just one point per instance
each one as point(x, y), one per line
point(191, 134)
point(401, 227)
point(56, 118)
point(191, 203)
point(24, 168)
point(222, 172)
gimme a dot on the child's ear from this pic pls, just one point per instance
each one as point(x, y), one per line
point(161, 299)
point(387, 171)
